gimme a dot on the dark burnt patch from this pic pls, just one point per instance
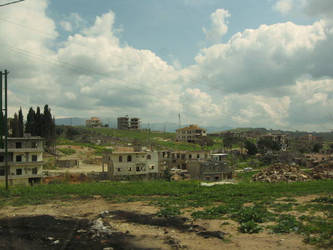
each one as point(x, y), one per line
point(176, 222)
point(47, 232)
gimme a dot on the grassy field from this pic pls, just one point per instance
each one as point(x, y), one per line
point(159, 140)
point(249, 204)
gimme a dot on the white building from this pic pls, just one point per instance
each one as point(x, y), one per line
point(192, 133)
point(127, 162)
point(25, 160)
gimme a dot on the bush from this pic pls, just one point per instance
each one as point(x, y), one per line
point(286, 223)
point(249, 227)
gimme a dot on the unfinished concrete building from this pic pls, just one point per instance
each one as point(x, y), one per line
point(123, 122)
point(94, 122)
point(214, 169)
point(135, 123)
point(192, 134)
point(25, 160)
point(128, 163)
point(181, 159)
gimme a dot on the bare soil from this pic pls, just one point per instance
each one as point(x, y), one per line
point(133, 225)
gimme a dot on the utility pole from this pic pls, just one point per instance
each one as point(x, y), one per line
point(6, 131)
point(4, 121)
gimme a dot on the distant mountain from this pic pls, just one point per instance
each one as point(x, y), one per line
point(71, 121)
point(158, 126)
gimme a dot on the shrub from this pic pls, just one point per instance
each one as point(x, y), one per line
point(249, 227)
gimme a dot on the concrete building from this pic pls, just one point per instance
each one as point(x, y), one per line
point(94, 122)
point(192, 133)
point(181, 159)
point(25, 160)
point(281, 139)
point(214, 169)
point(127, 162)
point(123, 122)
point(135, 123)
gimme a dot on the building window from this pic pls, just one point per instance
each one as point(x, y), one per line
point(190, 156)
point(129, 169)
point(2, 171)
point(18, 144)
point(2, 158)
point(34, 144)
point(34, 171)
point(120, 159)
point(198, 156)
point(118, 169)
point(137, 169)
point(148, 157)
point(18, 171)
point(129, 158)
point(152, 167)
point(34, 158)
point(19, 158)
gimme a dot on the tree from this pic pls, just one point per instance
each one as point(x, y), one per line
point(38, 125)
point(20, 124)
point(317, 147)
point(30, 126)
point(251, 148)
point(14, 126)
point(267, 143)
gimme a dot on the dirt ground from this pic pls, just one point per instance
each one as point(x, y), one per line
point(100, 224)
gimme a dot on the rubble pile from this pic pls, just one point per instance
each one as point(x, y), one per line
point(279, 173)
point(323, 171)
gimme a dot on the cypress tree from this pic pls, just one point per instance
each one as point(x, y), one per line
point(38, 123)
point(20, 124)
point(15, 126)
point(30, 126)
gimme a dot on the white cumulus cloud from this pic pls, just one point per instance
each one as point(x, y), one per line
point(219, 25)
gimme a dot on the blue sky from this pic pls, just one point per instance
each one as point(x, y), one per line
point(220, 63)
point(172, 29)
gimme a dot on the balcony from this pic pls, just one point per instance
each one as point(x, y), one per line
point(22, 163)
point(22, 150)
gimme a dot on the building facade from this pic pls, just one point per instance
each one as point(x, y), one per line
point(94, 122)
point(25, 160)
point(214, 169)
point(123, 122)
point(128, 163)
point(135, 123)
point(192, 134)
point(181, 159)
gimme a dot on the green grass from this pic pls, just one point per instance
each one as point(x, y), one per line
point(67, 151)
point(217, 202)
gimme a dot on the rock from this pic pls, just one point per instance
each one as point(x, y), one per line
point(279, 173)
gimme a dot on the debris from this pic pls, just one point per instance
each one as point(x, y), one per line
point(279, 173)
point(323, 171)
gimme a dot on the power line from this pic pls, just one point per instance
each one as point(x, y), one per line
point(5, 4)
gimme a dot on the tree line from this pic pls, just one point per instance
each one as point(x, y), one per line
point(37, 124)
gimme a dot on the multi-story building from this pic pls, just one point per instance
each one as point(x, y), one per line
point(135, 123)
point(127, 162)
point(25, 160)
point(94, 122)
point(181, 159)
point(192, 133)
point(213, 169)
point(123, 122)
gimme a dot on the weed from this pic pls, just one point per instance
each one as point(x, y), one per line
point(169, 212)
point(211, 213)
point(249, 227)
point(323, 200)
point(256, 213)
point(282, 207)
point(286, 223)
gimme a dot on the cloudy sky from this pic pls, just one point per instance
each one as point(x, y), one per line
point(237, 63)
